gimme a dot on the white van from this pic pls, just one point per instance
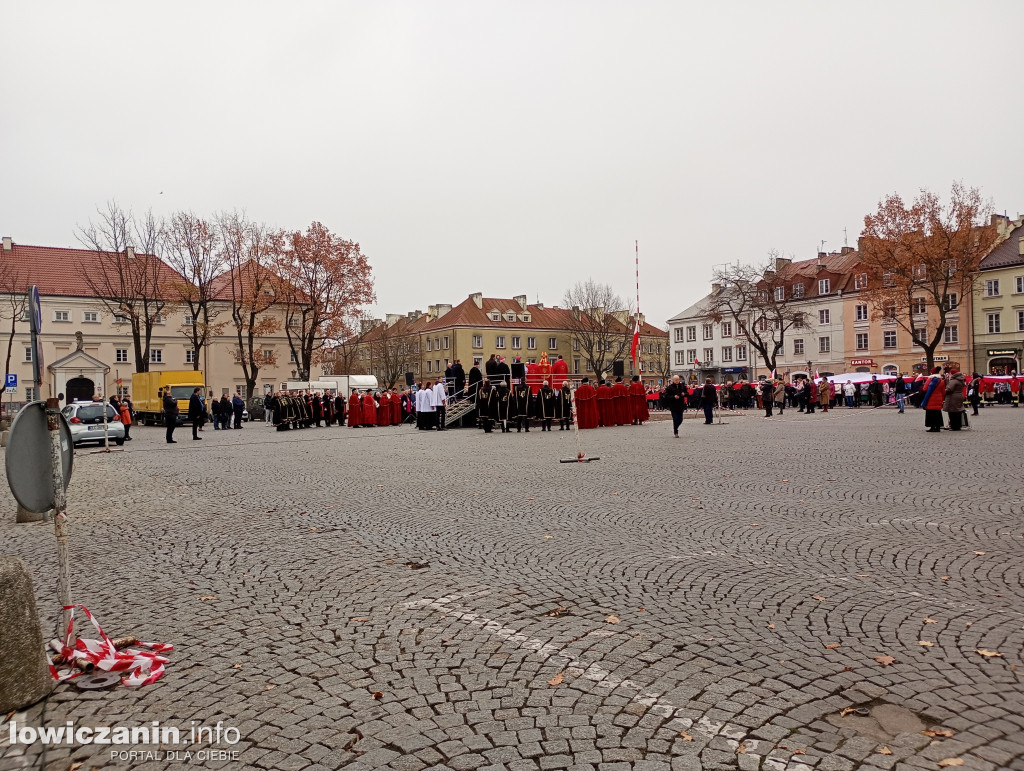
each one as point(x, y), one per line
point(346, 384)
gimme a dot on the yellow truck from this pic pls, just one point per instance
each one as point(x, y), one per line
point(149, 388)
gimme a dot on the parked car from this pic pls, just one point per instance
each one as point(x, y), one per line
point(86, 419)
point(255, 409)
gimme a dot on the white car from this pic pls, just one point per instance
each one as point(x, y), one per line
point(86, 419)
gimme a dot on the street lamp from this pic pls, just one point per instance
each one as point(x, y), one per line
point(809, 370)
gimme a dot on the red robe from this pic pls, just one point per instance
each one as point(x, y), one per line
point(586, 406)
point(384, 410)
point(605, 406)
point(559, 373)
point(534, 378)
point(355, 410)
point(623, 411)
point(396, 410)
point(638, 401)
point(369, 410)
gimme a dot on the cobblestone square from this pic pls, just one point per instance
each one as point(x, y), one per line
point(390, 598)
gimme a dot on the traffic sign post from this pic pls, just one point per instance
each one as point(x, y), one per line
point(60, 512)
point(35, 325)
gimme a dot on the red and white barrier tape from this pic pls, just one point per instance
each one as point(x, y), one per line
point(143, 667)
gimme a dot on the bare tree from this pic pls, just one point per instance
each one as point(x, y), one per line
point(128, 275)
point(391, 350)
point(345, 356)
point(923, 259)
point(251, 253)
point(324, 281)
point(602, 338)
point(194, 251)
point(13, 288)
point(754, 298)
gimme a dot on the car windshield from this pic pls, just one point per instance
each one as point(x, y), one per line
point(91, 413)
point(182, 392)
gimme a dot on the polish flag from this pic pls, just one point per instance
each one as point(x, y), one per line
point(636, 342)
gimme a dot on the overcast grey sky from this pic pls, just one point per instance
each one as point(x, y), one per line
point(511, 147)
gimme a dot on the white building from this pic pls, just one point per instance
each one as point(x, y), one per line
point(701, 347)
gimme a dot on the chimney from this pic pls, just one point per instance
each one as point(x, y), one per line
point(365, 325)
point(392, 318)
point(1020, 245)
point(8, 244)
point(437, 311)
point(521, 299)
point(781, 262)
point(540, 306)
point(478, 299)
point(130, 252)
point(716, 288)
point(847, 250)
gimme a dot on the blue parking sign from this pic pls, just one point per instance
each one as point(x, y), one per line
point(12, 381)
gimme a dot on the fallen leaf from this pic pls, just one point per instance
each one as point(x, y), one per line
point(206, 597)
point(783, 480)
point(863, 575)
point(755, 524)
point(549, 536)
point(800, 752)
point(979, 553)
point(930, 620)
point(270, 687)
point(556, 612)
point(556, 680)
point(946, 578)
point(969, 623)
point(885, 751)
point(77, 765)
point(940, 732)
point(832, 646)
point(378, 695)
point(885, 660)
point(951, 762)
point(313, 529)
point(237, 666)
point(925, 644)
point(988, 654)
point(686, 737)
point(771, 626)
point(612, 619)
point(847, 711)
point(742, 749)
point(360, 620)
point(819, 598)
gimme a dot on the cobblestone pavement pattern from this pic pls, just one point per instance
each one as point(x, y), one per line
point(756, 569)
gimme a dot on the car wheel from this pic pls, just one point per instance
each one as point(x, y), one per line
point(119, 442)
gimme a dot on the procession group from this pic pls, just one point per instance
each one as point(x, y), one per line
point(315, 409)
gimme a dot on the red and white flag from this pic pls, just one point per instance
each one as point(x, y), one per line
point(772, 376)
point(636, 342)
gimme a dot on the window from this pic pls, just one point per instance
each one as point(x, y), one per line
point(517, 341)
point(798, 347)
point(992, 287)
point(889, 312)
point(889, 339)
point(526, 317)
point(679, 334)
point(1019, 284)
point(158, 318)
point(189, 320)
point(950, 302)
point(576, 366)
point(860, 281)
point(430, 366)
point(780, 294)
point(499, 341)
point(918, 305)
point(156, 355)
point(445, 342)
point(691, 355)
point(477, 359)
point(531, 343)
point(575, 344)
point(437, 364)
point(762, 324)
point(532, 360)
point(741, 353)
point(291, 358)
point(862, 313)
point(798, 291)
point(659, 349)
point(994, 324)
point(190, 357)
point(825, 316)
point(28, 353)
point(727, 353)
point(495, 317)
point(430, 345)
point(691, 334)
point(888, 278)
point(824, 344)
point(680, 357)
point(90, 317)
point(948, 267)
point(824, 286)
point(726, 329)
point(1020, 321)
point(862, 341)
point(121, 355)
point(31, 394)
point(709, 355)
point(437, 343)
point(951, 334)
point(478, 341)
point(510, 317)
point(921, 271)
point(62, 315)
point(709, 331)
point(552, 343)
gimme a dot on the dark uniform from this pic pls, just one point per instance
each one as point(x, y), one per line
point(486, 406)
point(519, 406)
point(547, 406)
point(502, 396)
point(563, 408)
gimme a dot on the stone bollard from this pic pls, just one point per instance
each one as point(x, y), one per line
point(24, 674)
point(24, 515)
point(3, 438)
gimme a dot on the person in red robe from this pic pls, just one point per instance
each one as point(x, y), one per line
point(623, 410)
point(384, 409)
point(638, 401)
point(605, 406)
point(533, 378)
point(544, 370)
point(355, 410)
point(396, 408)
point(559, 373)
point(586, 405)
point(369, 409)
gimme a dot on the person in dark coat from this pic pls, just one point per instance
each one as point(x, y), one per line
point(974, 392)
point(215, 411)
point(767, 397)
point(237, 407)
point(520, 401)
point(547, 405)
point(563, 407)
point(460, 376)
point(196, 413)
point(486, 406)
point(675, 401)
point(503, 403)
point(504, 372)
point(953, 402)
point(316, 406)
point(709, 400)
point(931, 402)
point(170, 415)
point(491, 368)
point(475, 378)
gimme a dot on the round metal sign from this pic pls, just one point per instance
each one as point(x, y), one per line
point(95, 681)
point(35, 308)
point(28, 457)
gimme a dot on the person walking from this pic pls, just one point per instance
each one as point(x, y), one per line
point(974, 392)
point(953, 401)
point(780, 397)
point(767, 396)
point(931, 402)
point(237, 407)
point(170, 415)
point(196, 412)
point(824, 394)
point(675, 401)
point(900, 389)
point(709, 400)
point(122, 411)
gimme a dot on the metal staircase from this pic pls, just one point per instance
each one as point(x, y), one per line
point(458, 409)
